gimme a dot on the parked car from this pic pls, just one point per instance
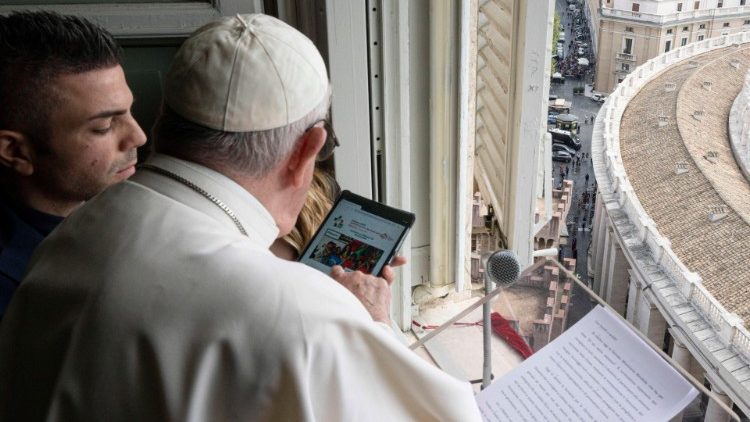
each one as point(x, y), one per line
point(561, 156)
point(599, 98)
point(563, 147)
point(565, 137)
point(551, 119)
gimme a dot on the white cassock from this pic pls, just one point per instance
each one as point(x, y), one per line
point(148, 304)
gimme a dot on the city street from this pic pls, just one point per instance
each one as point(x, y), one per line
point(580, 215)
point(579, 218)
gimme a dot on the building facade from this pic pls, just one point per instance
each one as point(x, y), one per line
point(628, 33)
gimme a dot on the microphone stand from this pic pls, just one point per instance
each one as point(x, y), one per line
point(458, 316)
point(487, 334)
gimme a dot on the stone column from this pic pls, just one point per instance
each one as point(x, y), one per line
point(682, 357)
point(617, 278)
point(650, 321)
point(696, 370)
point(681, 354)
point(603, 279)
point(634, 298)
point(597, 221)
point(714, 413)
point(598, 256)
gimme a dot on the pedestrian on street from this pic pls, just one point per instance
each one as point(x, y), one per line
point(587, 179)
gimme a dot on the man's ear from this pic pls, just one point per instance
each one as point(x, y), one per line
point(304, 154)
point(16, 152)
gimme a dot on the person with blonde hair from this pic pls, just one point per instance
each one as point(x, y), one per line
point(323, 192)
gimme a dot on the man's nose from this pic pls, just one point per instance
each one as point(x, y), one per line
point(135, 136)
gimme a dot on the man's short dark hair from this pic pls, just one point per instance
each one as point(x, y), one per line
point(36, 48)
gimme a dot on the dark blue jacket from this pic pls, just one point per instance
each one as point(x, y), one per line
point(21, 230)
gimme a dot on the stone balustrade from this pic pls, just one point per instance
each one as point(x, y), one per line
point(689, 284)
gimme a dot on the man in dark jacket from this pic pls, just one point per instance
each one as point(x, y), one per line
point(66, 131)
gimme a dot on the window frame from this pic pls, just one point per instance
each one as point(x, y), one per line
point(625, 44)
point(150, 20)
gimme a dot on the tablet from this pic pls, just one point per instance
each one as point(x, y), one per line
point(359, 234)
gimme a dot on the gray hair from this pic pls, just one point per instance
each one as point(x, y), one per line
point(253, 154)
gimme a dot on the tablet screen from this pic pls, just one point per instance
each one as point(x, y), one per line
point(355, 237)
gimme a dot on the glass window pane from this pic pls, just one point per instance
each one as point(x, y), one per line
point(55, 2)
point(145, 67)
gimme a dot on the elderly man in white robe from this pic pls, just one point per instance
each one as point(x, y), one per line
point(159, 299)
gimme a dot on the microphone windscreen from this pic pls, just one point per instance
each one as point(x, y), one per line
point(502, 267)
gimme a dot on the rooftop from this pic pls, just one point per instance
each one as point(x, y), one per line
point(681, 116)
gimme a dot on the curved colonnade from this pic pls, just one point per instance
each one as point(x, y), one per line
point(672, 209)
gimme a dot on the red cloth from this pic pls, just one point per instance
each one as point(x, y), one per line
point(502, 328)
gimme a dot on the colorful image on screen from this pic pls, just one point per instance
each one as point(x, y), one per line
point(335, 248)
